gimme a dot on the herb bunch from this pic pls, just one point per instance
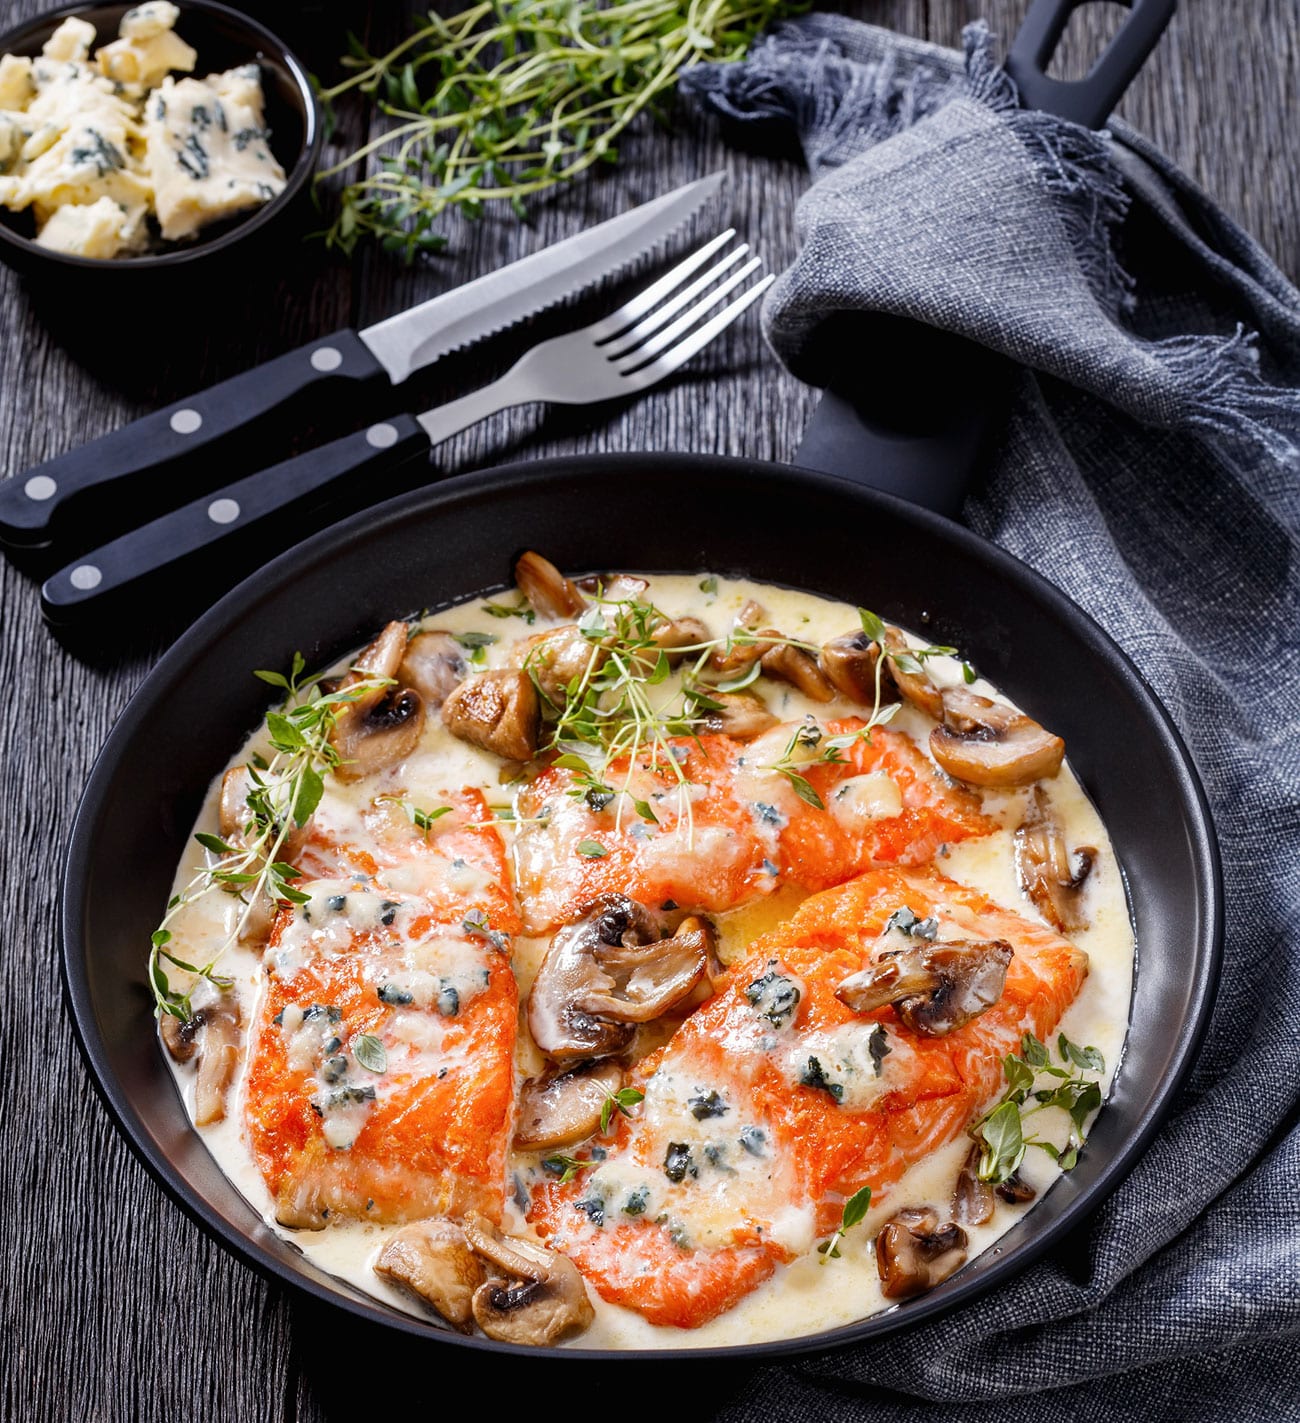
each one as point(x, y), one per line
point(283, 793)
point(612, 715)
point(1000, 1133)
point(503, 101)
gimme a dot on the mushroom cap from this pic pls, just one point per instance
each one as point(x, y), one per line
point(674, 634)
point(544, 1301)
point(739, 655)
point(388, 732)
point(1048, 874)
point(914, 1253)
point(546, 588)
point(497, 710)
point(219, 1043)
point(434, 665)
point(914, 687)
point(234, 815)
point(433, 1260)
point(561, 1109)
point(788, 663)
point(972, 1199)
point(381, 726)
point(608, 970)
point(740, 715)
point(934, 988)
point(849, 663)
point(554, 659)
point(987, 743)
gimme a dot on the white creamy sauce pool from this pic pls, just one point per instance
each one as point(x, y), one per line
point(813, 1293)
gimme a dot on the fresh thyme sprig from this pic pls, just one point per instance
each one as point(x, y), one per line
point(502, 101)
point(855, 1209)
point(621, 1102)
point(284, 791)
point(1000, 1131)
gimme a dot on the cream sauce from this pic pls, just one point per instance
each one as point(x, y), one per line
point(813, 1293)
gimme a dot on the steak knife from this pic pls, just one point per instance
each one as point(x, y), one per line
point(33, 502)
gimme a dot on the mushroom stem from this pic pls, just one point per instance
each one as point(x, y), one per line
point(914, 1253)
point(545, 1302)
point(987, 743)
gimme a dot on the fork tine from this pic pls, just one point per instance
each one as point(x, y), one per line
point(637, 307)
point(630, 358)
point(635, 334)
point(697, 340)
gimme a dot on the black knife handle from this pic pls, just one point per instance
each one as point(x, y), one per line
point(133, 563)
point(1089, 100)
point(34, 502)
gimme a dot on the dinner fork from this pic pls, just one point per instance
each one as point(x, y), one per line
point(646, 339)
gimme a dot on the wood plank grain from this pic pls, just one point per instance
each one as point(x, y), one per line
point(114, 1306)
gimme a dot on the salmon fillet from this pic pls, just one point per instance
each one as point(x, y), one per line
point(749, 830)
point(380, 1083)
point(774, 1102)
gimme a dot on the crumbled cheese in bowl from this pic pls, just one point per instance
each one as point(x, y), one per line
point(113, 154)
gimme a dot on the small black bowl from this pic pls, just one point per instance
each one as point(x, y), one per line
point(223, 38)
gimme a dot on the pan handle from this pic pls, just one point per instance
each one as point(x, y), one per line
point(876, 431)
point(1087, 101)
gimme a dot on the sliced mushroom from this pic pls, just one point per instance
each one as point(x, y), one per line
point(382, 726)
point(987, 743)
point(434, 665)
point(914, 686)
point(740, 715)
point(737, 656)
point(213, 1033)
point(788, 663)
point(546, 588)
point(498, 711)
point(972, 1199)
point(914, 1253)
point(543, 1301)
point(557, 658)
point(675, 634)
point(433, 1260)
point(1048, 874)
point(559, 1110)
point(235, 815)
point(609, 970)
point(614, 587)
point(934, 987)
point(1015, 1190)
point(849, 664)
point(647, 981)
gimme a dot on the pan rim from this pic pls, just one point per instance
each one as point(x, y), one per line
point(178, 661)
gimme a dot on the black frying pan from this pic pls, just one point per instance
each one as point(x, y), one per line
point(652, 513)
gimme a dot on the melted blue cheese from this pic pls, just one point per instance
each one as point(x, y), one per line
point(425, 977)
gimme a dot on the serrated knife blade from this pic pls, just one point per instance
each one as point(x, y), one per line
point(421, 334)
point(155, 457)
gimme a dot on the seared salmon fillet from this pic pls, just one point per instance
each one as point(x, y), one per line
point(380, 1083)
point(747, 831)
point(775, 1101)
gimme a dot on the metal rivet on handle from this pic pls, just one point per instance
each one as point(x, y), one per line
point(327, 358)
point(382, 436)
point(185, 422)
point(40, 486)
point(223, 511)
point(85, 576)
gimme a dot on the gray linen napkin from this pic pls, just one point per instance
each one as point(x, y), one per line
point(1148, 469)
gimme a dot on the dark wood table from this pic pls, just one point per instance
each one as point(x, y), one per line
point(114, 1306)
